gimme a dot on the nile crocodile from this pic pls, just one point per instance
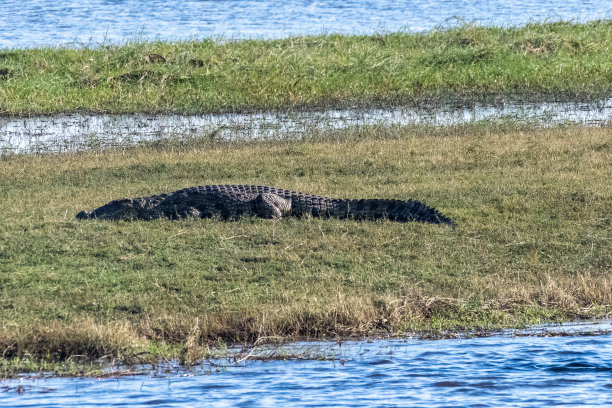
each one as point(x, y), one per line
point(229, 202)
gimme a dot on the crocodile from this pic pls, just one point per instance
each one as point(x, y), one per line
point(233, 201)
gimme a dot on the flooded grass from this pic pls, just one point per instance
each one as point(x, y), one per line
point(77, 132)
point(551, 61)
point(532, 243)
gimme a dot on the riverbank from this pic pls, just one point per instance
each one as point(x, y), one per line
point(532, 244)
point(552, 61)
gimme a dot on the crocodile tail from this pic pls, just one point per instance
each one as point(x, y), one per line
point(396, 210)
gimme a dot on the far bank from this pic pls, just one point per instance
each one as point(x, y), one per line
point(550, 61)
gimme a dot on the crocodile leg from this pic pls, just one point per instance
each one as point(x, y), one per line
point(268, 205)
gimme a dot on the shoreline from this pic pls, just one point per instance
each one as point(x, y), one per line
point(277, 349)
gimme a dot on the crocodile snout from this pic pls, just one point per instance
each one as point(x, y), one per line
point(85, 215)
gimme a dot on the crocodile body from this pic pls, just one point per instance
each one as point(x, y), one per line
point(233, 201)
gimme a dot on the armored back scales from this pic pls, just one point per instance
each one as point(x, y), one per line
point(233, 201)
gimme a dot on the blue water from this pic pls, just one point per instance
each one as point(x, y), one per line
point(504, 370)
point(75, 22)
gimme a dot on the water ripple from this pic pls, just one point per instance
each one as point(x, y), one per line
point(75, 22)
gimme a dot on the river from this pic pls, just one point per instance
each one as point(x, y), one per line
point(92, 22)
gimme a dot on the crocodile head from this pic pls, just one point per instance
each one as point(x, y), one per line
point(124, 209)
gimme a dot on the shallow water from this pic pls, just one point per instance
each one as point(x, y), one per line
point(542, 369)
point(90, 22)
point(70, 133)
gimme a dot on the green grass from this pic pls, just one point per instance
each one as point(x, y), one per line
point(537, 61)
point(532, 244)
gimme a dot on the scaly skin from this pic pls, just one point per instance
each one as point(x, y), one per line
point(229, 202)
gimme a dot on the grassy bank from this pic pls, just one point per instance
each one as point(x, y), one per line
point(556, 60)
point(532, 243)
